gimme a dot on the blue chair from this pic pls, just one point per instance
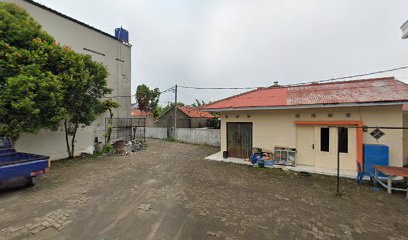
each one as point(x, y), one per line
point(361, 174)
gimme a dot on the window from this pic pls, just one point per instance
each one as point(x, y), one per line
point(343, 140)
point(324, 139)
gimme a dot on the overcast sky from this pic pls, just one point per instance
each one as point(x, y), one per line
point(245, 43)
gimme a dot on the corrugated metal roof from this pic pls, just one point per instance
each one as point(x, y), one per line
point(357, 91)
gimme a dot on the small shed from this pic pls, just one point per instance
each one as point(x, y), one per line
point(187, 117)
point(137, 113)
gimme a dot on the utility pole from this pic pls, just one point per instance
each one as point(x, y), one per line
point(175, 111)
point(339, 130)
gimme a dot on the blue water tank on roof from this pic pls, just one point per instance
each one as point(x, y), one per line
point(375, 154)
point(122, 34)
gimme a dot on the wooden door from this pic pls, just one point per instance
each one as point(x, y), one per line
point(239, 139)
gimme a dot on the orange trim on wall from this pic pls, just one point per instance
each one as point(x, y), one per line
point(342, 123)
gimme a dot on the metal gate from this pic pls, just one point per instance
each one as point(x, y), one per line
point(239, 139)
point(126, 128)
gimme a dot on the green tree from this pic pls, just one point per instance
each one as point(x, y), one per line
point(168, 107)
point(43, 83)
point(109, 105)
point(197, 103)
point(85, 85)
point(148, 100)
point(31, 94)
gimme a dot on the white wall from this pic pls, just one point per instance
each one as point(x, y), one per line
point(156, 132)
point(199, 136)
point(188, 135)
point(78, 37)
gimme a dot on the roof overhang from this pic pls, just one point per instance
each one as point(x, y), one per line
point(404, 29)
point(307, 106)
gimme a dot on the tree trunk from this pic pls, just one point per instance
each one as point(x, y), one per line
point(109, 133)
point(66, 139)
point(73, 141)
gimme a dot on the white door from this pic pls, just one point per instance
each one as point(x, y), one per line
point(305, 145)
point(327, 147)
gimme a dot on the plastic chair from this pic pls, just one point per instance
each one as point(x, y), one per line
point(361, 174)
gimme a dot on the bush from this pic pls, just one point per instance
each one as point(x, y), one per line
point(108, 149)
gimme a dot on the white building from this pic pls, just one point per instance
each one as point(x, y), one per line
point(104, 48)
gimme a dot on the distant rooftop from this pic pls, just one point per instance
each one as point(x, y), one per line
point(376, 90)
point(139, 113)
point(193, 112)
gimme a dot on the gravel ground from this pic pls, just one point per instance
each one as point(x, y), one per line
point(169, 191)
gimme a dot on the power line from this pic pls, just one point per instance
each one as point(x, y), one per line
point(288, 85)
point(134, 95)
point(353, 76)
point(217, 88)
point(170, 89)
point(304, 83)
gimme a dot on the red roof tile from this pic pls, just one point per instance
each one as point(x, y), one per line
point(194, 112)
point(356, 91)
point(139, 113)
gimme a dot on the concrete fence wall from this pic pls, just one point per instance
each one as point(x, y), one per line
point(188, 135)
point(156, 132)
point(199, 136)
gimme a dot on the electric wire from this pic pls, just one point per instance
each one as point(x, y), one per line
point(353, 76)
point(288, 85)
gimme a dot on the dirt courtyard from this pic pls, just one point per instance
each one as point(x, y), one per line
point(169, 191)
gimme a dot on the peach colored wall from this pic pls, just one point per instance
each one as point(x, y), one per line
point(276, 127)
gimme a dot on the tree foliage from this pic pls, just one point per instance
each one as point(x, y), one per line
point(43, 83)
point(166, 108)
point(31, 94)
point(148, 99)
point(197, 103)
point(84, 87)
point(109, 105)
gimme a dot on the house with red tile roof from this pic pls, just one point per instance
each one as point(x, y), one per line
point(137, 113)
point(140, 113)
point(305, 117)
point(193, 112)
point(187, 117)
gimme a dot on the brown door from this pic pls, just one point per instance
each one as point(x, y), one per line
point(239, 139)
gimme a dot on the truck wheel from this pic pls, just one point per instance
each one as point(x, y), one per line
point(31, 181)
